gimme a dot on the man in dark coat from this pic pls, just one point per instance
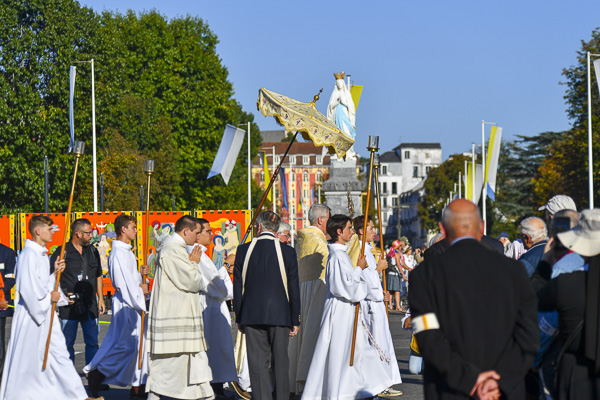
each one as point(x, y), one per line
point(7, 270)
point(473, 314)
point(266, 298)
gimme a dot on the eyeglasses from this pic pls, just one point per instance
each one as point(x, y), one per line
point(87, 233)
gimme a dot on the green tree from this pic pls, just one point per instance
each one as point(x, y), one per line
point(438, 185)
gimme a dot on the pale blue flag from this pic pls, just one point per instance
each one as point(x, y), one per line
point(71, 96)
point(597, 70)
point(232, 141)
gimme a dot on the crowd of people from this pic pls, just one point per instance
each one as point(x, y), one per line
point(491, 318)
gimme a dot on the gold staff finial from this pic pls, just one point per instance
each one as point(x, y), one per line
point(350, 203)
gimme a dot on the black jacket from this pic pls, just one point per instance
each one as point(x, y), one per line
point(487, 313)
point(7, 268)
point(264, 301)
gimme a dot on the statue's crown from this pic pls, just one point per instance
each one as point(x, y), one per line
point(339, 75)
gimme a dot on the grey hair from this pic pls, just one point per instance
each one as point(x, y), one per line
point(269, 221)
point(316, 211)
point(536, 234)
point(435, 239)
point(284, 226)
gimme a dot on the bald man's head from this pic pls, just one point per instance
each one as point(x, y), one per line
point(461, 218)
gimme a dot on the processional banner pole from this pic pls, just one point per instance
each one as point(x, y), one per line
point(376, 173)
point(78, 149)
point(373, 146)
point(148, 170)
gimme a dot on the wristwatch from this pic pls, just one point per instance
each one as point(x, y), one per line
point(227, 265)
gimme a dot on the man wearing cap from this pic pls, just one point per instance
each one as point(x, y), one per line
point(575, 296)
point(557, 203)
point(503, 238)
point(534, 236)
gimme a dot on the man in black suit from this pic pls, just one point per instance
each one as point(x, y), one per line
point(473, 314)
point(266, 299)
point(7, 270)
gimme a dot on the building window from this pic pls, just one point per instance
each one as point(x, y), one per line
point(305, 176)
point(407, 155)
point(384, 218)
point(293, 194)
point(318, 176)
point(384, 169)
point(394, 188)
point(319, 160)
point(415, 172)
point(277, 160)
point(385, 202)
point(384, 191)
point(262, 176)
point(306, 160)
point(305, 195)
point(395, 201)
point(427, 155)
point(293, 160)
point(292, 176)
point(427, 169)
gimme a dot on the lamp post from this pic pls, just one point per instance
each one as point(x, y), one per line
point(46, 184)
point(101, 191)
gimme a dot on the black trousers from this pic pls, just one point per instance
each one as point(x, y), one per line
point(268, 346)
point(2, 343)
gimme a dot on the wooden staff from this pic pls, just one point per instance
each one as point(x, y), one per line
point(78, 148)
point(377, 195)
point(148, 170)
point(372, 147)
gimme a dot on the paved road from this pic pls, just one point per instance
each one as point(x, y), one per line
point(411, 386)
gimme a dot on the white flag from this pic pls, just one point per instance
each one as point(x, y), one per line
point(232, 141)
point(597, 70)
point(72, 72)
point(491, 167)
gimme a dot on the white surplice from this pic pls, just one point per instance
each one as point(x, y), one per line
point(330, 375)
point(375, 317)
point(118, 356)
point(23, 377)
point(217, 320)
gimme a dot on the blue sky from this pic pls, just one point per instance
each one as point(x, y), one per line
point(431, 71)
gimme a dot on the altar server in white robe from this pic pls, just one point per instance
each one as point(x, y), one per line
point(116, 362)
point(373, 306)
point(215, 313)
point(177, 348)
point(330, 375)
point(23, 377)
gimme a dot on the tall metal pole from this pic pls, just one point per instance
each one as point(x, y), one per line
point(46, 184)
point(466, 181)
point(148, 170)
point(483, 194)
point(459, 185)
point(291, 202)
point(141, 197)
point(249, 172)
point(376, 165)
point(101, 191)
point(590, 160)
point(94, 141)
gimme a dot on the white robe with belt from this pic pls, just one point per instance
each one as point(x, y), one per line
point(217, 320)
point(23, 377)
point(375, 317)
point(330, 375)
point(118, 356)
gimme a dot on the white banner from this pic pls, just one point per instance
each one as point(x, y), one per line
point(232, 141)
point(72, 72)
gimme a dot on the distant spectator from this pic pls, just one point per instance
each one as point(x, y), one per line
point(505, 241)
point(534, 236)
point(515, 250)
point(555, 204)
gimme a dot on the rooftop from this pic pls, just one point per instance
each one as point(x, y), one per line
point(389, 156)
point(418, 146)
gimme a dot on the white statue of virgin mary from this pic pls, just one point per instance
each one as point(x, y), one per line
point(341, 110)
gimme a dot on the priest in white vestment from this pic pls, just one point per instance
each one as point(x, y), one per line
point(178, 361)
point(116, 362)
point(312, 253)
point(23, 377)
point(330, 375)
point(215, 313)
point(374, 310)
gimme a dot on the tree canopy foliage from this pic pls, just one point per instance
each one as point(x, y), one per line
point(161, 92)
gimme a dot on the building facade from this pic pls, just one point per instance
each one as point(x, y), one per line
point(403, 170)
point(305, 169)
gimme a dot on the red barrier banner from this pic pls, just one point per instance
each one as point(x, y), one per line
point(7, 230)
point(58, 225)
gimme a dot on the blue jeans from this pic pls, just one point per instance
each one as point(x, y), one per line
point(90, 328)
